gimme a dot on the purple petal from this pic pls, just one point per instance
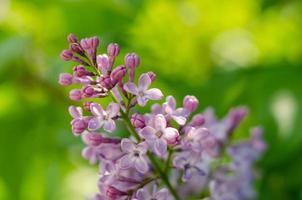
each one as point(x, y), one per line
point(154, 94)
point(170, 135)
point(179, 119)
point(131, 88)
point(94, 123)
point(160, 147)
point(127, 145)
point(160, 122)
point(113, 109)
point(148, 133)
point(75, 112)
point(142, 100)
point(126, 162)
point(162, 194)
point(171, 102)
point(156, 109)
point(142, 147)
point(144, 82)
point(141, 165)
point(142, 194)
point(109, 125)
point(96, 109)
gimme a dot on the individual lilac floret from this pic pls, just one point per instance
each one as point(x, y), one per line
point(79, 123)
point(65, 79)
point(135, 156)
point(190, 103)
point(142, 93)
point(102, 118)
point(75, 95)
point(138, 120)
point(170, 111)
point(158, 135)
point(143, 194)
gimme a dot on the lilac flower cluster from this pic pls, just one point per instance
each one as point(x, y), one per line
point(172, 151)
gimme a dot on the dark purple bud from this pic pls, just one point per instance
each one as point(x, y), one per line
point(66, 55)
point(190, 103)
point(65, 79)
point(152, 76)
point(118, 74)
point(198, 120)
point(132, 60)
point(78, 126)
point(81, 71)
point(138, 120)
point(113, 50)
point(106, 82)
point(75, 95)
point(71, 38)
point(88, 91)
point(94, 42)
point(75, 47)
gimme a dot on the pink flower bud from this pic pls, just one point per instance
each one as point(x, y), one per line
point(113, 49)
point(152, 76)
point(114, 193)
point(90, 43)
point(71, 38)
point(105, 81)
point(118, 74)
point(138, 120)
point(190, 103)
point(79, 126)
point(66, 55)
point(65, 79)
point(88, 91)
point(75, 47)
point(103, 63)
point(94, 42)
point(75, 95)
point(80, 71)
point(132, 60)
point(198, 120)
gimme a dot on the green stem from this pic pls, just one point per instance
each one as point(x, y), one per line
point(167, 167)
point(151, 157)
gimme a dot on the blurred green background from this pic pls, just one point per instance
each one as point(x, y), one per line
point(226, 52)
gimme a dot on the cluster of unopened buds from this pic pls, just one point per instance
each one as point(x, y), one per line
point(169, 153)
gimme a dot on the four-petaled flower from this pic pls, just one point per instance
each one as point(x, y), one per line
point(103, 118)
point(142, 93)
point(135, 156)
point(158, 135)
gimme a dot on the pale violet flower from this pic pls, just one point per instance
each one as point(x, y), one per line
point(143, 194)
point(135, 156)
point(158, 135)
point(142, 93)
point(103, 118)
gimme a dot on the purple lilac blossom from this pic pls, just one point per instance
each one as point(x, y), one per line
point(170, 154)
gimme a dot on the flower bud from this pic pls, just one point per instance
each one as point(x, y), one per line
point(94, 42)
point(138, 120)
point(114, 193)
point(78, 126)
point(65, 79)
point(132, 60)
point(92, 139)
point(88, 91)
point(190, 103)
point(75, 95)
point(66, 55)
point(118, 74)
point(71, 38)
point(80, 71)
point(75, 47)
point(90, 43)
point(113, 50)
point(105, 81)
point(152, 76)
point(198, 120)
point(103, 63)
